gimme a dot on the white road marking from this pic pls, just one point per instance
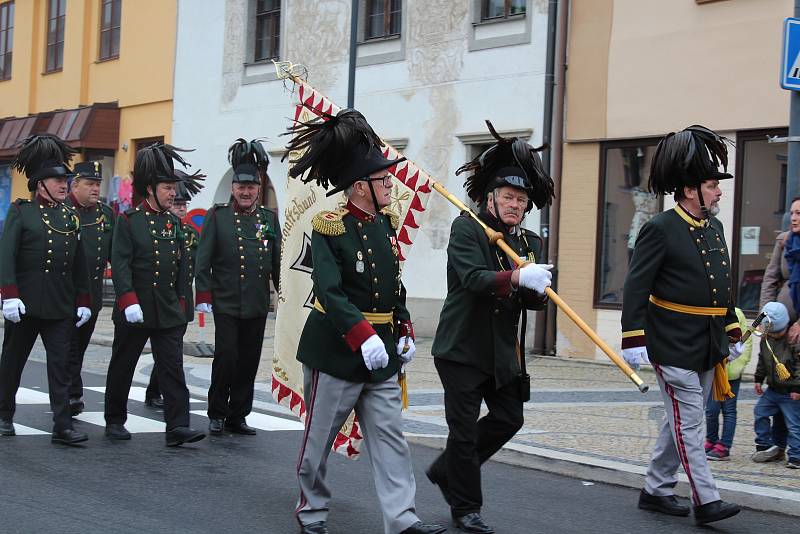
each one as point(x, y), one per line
point(137, 393)
point(134, 424)
point(266, 422)
point(23, 430)
point(29, 396)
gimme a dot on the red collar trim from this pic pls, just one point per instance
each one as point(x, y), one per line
point(78, 205)
point(148, 208)
point(237, 207)
point(358, 213)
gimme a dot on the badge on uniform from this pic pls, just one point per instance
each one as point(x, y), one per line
point(395, 248)
point(359, 262)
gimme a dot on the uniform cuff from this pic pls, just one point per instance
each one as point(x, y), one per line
point(734, 332)
point(359, 334)
point(633, 338)
point(127, 299)
point(84, 300)
point(502, 284)
point(202, 297)
point(9, 292)
point(182, 302)
point(406, 329)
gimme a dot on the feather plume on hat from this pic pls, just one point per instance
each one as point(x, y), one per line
point(252, 152)
point(155, 164)
point(189, 182)
point(508, 152)
point(43, 156)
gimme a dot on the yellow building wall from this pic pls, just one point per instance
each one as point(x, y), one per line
point(576, 243)
point(59, 90)
point(141, 122)
point(19, 186)
point(15, 94)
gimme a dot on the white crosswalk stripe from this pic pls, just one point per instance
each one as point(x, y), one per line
point(31, 396)
point(134, 424)
point(137, 393)
point(267, 422)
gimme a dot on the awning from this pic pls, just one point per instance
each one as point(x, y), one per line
point(88, 127)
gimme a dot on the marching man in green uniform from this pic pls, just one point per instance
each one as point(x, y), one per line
point(149, 267)
point(678, 315)
point(97, 227)
point(191, 238)
point(478, 349)
point(238, 255)
point(43, 281)
point(359, 333)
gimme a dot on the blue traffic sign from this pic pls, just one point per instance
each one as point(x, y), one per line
point(790, 64)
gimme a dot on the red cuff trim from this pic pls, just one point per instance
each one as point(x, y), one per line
point(182, 302)
point(359, 334)
point(127, 299)
point(407, 329)
point(202, 297)
point(633, 341)
point(84, 300)
point(502, 284)
point(9, 292)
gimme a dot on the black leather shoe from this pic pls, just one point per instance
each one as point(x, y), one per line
point(421, 528)
point(76, 406)
point(216, 426)
point(472, 523)
point(68, 437)
point(240, 427)
point(117, 432)
point(7, 428)
point(436, 481)
point(154, 402)
point(183, 434)
point(315, 528)
point(714, 511)
point(666, 505)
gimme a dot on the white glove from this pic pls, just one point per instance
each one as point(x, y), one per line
point(374, 353)
point(535, 276)
point(84, 314)
point(409, 354)
point(203, 307)
point(635, 356)
point(735, 350)
point(13, 309)
point(133, 314)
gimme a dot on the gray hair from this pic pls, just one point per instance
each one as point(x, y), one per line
point(348, 192)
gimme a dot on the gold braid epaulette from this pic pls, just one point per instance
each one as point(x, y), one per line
point(394, 219)
point(329, 222)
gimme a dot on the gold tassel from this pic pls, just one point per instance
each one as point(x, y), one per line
point(401, 378)
point(722, 388)
point(783, 372)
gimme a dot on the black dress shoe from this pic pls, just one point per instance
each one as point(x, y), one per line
point(183, 434)
point(154, 402)
point(68, 437)
point(240, 427)
point(76, 406)
point(472, 523)
point(315, 528)
point(666, 505)
point(714, 511)
point(7, 428)
point(216, 426)
point(422, 528)
point(117, 432)
point(436, 481)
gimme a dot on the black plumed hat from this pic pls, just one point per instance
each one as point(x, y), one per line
point(688, 158)
point(155, 164)
point(505, 153)
point(189, 185)
point(43, 156)
point(251, 154)
point(336, 150)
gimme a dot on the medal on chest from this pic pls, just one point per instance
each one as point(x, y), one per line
point(167, 231)
point(359, 262)
point(395, 249)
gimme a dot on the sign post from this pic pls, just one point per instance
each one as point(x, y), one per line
point(790, 80)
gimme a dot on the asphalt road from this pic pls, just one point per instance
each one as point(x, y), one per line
point(247, 484)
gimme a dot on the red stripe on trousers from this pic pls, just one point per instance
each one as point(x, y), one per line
point(309, 415)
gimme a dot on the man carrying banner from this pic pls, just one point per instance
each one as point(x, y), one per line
point(359, 333)
point(97, 227)
point(238, 255)
point(476, 350)
point(678, 314)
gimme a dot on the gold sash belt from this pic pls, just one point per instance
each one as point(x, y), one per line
point(685, 308)
point(373, 318)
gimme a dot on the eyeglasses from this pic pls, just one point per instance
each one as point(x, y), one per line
point(386, 180)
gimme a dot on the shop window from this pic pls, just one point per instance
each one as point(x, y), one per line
point(625, 205)
point(761, 204)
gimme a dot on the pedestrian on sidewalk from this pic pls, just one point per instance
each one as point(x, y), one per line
point(678, 314)
point(149, 268)
point(779, 365)
point(359, 333)
point(97, 227)
point(719, 448)
point(239, 253)
point(43, 281)
point(477, 352)
point(183, 195)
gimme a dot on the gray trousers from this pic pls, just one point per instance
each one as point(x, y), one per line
point(329, 401)
point(680, 441)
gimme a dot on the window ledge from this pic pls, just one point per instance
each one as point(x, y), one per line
point(107, 59)
point(54, 71)
point(494, 33)
point(500, 20)
point(380, 50)
point(259, 72)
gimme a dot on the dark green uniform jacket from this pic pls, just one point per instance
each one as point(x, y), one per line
point(684, 261)
point(479, 322)
point(149, 267)
point(97, 227)
point(356, 265)
point(191, 241)
point(41, 262)
point(239, 252)
point(786, 353)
